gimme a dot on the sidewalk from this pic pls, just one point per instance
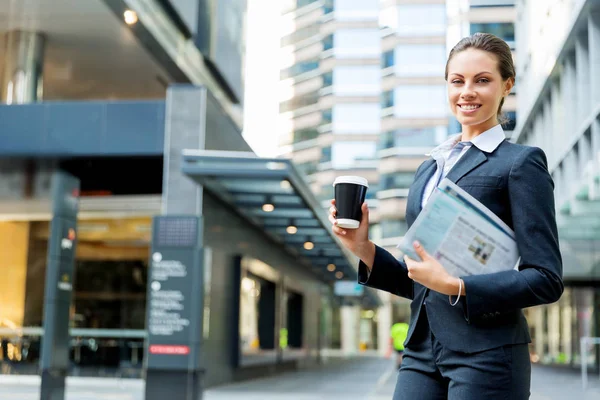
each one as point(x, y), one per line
point(551, 383)
point(364, 378)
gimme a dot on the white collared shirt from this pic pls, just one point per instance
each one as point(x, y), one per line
point(487, 141)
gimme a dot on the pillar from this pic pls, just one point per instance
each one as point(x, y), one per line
point(174, 365)
point(384, 324)
point(350, 319)
point(21, 78)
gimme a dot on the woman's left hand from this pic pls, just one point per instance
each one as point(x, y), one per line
point(430, 273)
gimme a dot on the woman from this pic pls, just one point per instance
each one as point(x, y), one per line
point(468, 336)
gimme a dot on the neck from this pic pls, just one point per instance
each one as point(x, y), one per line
point(469, 132)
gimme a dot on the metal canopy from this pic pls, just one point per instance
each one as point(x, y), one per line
point(249, 184)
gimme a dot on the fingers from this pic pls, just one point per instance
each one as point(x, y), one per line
point(338, 231)
point(420, 250)
point(332, 220)
point(365, 213)
point(332, 214)
point(409, 265)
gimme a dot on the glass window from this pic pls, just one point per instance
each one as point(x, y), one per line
point(387, 59)
point(305, 134)
point(299, 68)
point(356, 118)
point(454, 126)
point(347, 154)
point(326, 154)
point(420, 101)
point(257, 319)
point(387, 99)
point(307, 168)
point(290, 337)
point(420, 59)
point(328, 6)
point(504, 30)
point(303, 3)
point(413, 137)
point(421, 20)
point(110, 295)
point(393, 228)
point(397, 180)
point(327, 79)
point(356, 10)
point(328, 42)
point(491, 3)
point(326, 116)
point(512, 121)
point(357, 43)
point(359, 80)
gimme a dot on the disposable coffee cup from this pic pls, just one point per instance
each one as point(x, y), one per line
point(350, 193)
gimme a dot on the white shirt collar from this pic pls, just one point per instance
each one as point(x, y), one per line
point(487, 141)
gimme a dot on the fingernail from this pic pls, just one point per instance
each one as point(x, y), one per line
point(416, 244)
point(343, 232)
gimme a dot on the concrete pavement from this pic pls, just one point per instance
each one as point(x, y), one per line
point(366, 378)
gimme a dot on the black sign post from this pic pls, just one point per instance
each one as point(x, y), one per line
point(54, 362)
point(175, 310)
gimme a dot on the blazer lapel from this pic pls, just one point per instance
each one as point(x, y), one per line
point(472, 158)
point(416, 191)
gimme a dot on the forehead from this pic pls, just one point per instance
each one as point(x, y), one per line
point(473, 61)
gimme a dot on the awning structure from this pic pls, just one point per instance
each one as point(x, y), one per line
point(272, 195)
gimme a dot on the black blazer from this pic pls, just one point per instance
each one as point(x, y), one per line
point(514, 183)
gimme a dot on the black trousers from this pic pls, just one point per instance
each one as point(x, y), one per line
point(430, 371)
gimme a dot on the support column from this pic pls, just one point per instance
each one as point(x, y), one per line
point(384, 324)
point(174, 347)
point(594, 57)
point(582, 78)
point(350, 319)
point(21, 79)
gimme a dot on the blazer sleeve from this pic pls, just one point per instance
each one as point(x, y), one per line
point(539, 279)
point(387, 273)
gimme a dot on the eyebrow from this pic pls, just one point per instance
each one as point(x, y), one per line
point(476, 75)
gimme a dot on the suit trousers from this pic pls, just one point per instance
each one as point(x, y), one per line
point(430, 371)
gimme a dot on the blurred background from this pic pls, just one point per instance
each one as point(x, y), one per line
point(114, 92)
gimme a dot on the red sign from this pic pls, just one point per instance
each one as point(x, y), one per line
point(175, 350)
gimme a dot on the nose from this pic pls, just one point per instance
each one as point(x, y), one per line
point(468, 93)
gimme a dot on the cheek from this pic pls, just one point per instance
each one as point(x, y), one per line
point(452, 97)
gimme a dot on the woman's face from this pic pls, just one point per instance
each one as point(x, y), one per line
point(475, 88)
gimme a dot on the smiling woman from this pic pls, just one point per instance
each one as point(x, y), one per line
point(468, 337)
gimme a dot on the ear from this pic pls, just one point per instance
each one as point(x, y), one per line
point(508, 85)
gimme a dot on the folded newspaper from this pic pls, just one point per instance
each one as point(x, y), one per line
point(462, 234)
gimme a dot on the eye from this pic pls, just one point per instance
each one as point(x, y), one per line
point(456, 81)
point(483, 80)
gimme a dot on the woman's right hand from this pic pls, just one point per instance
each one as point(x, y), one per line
point(353, 239)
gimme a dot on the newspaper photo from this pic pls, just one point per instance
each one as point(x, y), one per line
point(462, 234)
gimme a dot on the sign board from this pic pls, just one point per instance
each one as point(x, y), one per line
point(348, 288)
point(174, 310)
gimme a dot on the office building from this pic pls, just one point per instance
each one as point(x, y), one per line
point(558, 70)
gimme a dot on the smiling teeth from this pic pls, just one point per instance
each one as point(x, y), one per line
point(469, 107)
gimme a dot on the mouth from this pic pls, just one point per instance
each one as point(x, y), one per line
point(469, 108)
